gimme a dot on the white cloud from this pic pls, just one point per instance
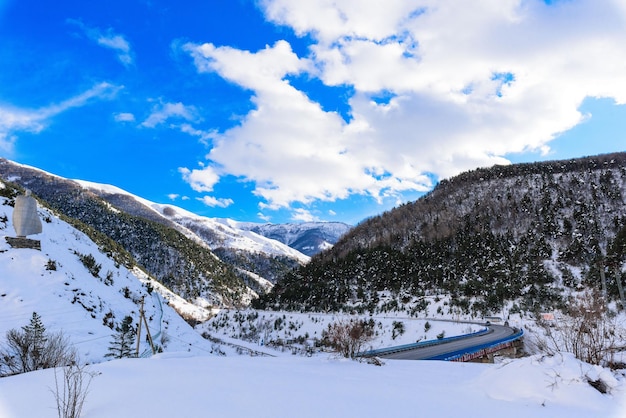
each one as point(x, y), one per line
point(329, 20)
point(260, 71)
point(263, 217)
point(470, 82)
point(124, 117)
point(173, 196)
point(203, 136)
point(13, 120)
point(180, 117)
point(303, 215)
point(216, 202)
point(108, 39)
point(162, 112)
point(201, 180)
point(7, 142)
point(119, 44)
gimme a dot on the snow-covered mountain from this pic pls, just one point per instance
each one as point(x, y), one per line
point(526, 236)
point(79, 289)
point(217, 233)
point(85, 299)
point(207, 261)
point(187, 266)
point(193, 255)
point(308, 237)
point(259, 261)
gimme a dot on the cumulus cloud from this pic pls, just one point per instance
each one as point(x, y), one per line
point(117, 43)
point(467, 83)
point(13, 120)
point(303, 215)
point(108, 39)
point(216, 202)
point(263, 70)
point(201, 180)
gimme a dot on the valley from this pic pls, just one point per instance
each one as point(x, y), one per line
point(240, 296)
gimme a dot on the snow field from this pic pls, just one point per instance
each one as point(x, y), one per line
point(169, 385)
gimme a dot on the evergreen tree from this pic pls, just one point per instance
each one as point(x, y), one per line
point(33, 348)
point(122, 345)
point(35, 336)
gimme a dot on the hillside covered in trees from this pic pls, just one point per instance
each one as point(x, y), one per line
point(522, 236)
point(185, 266)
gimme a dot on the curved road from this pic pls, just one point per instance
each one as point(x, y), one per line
point(496, 332)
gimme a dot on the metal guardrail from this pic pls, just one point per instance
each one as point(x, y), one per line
point(455, 355)
point(412, 346)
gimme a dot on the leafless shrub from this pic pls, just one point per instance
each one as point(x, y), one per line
point(33, 348)
point(348, 337)
point(587, 329)
point(71, 390)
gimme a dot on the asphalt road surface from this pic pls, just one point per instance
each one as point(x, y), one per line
point(496, 332)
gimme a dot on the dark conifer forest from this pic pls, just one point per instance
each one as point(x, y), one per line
point(523, 236)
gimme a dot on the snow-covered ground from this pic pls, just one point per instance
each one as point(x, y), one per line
point(197, 377)
point(297, 331)
point(167, 386)
point(85, 305)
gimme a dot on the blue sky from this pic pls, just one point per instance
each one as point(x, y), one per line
point(282, 111)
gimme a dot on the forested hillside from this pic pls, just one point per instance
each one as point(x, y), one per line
point(521, 236)
point(185, 266)
point(258, 264)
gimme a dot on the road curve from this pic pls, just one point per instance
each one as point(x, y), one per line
point(496, 332)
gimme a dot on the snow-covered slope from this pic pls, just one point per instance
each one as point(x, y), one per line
point(217, 233)
point(308, 237)
point(85, 304)
point(293, 386)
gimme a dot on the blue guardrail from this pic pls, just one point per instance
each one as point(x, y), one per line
point(474, 349)
point(406, 347)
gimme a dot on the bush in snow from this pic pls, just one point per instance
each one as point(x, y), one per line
point(398, 329)
point(71, 391)
point(587, 329)
point(51, 265)
point(427, 326)
point(33, 348)
point(90, 263)
point(348, 337)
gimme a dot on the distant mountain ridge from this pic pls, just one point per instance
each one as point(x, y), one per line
point(309, 238)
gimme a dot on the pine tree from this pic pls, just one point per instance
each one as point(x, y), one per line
point(33, 348)
point(124, 339)
point(35, 336)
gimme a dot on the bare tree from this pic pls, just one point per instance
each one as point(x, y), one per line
point(70, 392)
point(587, 329)
point(33, 348)
point(348, 337)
